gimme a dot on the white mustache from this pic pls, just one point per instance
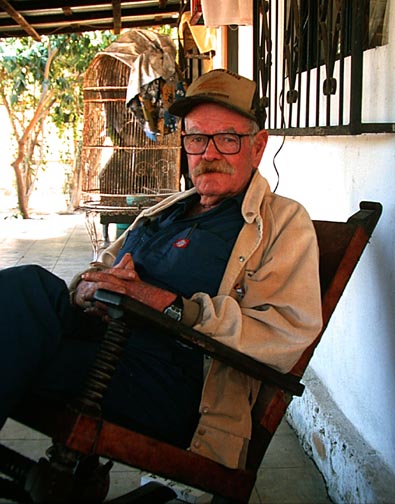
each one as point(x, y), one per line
point(220, 166)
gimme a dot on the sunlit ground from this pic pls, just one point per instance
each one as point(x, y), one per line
point(42, 227)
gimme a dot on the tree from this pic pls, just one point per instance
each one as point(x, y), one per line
point(41, 81)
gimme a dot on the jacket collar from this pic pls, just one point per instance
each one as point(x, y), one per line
point(256, 192)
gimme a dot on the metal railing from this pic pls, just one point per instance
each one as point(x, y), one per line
point(308, 61)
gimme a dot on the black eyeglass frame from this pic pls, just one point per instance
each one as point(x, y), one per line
point(212, 137)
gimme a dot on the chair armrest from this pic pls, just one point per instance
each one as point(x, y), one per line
point(131, 312)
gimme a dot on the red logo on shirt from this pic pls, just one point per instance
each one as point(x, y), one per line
point(181, 243)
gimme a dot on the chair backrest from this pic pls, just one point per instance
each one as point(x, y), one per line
point(341, 245)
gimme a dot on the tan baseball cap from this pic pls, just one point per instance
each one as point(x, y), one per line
point(222, 87)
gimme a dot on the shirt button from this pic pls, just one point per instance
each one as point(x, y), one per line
point(242, 258)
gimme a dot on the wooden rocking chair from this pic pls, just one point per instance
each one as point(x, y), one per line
point(80, 429)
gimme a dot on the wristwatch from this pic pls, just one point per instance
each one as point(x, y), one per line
point(174, 310)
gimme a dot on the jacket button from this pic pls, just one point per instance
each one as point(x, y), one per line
point(201, 431)
point(197, 444)
point(242, 258)
point(205, 410)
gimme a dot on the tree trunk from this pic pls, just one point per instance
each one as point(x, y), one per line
point(23, 191)
point(23, 200)
point(75, 186)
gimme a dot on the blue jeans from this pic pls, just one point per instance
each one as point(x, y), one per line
point(157, 384)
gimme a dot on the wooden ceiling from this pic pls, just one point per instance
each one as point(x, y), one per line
point(20, 18)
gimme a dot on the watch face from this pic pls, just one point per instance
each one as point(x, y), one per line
point(174, 312)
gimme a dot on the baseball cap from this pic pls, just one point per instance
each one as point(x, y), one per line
point(222, 87)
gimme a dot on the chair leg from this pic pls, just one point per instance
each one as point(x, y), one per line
point(63, 478)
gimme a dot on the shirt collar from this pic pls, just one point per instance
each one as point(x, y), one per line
point(193, 198)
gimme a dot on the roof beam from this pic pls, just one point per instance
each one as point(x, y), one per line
point(60, 4)
point(116, 11)
point(79, 28)
point(67, 11)
point(72, 16)
point(95, 18)
point(19, 19)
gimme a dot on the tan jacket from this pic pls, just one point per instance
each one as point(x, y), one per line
point(275, 262)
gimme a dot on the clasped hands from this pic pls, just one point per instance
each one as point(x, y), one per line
point(122, 279)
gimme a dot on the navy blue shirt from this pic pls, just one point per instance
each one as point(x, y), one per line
point(162, 378)
point(185, 254)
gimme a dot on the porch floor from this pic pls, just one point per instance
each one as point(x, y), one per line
point(61, 244)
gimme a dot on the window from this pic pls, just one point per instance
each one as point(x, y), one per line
point(309, 63)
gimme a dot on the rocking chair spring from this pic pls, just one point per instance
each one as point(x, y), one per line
point(103, 369)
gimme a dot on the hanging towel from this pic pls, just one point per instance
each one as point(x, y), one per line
point(227, 12)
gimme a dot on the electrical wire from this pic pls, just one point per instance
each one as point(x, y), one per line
point(275, 166)
point(282, 143)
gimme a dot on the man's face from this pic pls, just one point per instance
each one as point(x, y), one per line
point(222, 175)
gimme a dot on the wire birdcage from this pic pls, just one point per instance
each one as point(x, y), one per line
point(123, 169)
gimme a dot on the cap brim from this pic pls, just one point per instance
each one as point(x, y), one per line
point(183, 106)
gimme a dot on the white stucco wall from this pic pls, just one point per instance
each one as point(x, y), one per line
point(356, 359)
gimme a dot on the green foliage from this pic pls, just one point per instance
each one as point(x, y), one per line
point(171, 31)
point(41, 80)
point(26, 72)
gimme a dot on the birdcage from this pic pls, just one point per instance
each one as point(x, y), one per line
point(125, 167)
point(122, 167)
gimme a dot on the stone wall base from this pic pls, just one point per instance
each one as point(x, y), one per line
point(353, 471)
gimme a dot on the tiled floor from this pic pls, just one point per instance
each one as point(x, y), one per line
point(61, 244)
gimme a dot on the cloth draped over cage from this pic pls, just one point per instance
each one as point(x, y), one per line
point(154, 81)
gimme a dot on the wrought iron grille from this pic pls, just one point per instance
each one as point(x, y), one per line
point(309, 64)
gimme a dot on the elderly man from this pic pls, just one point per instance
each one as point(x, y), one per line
point(228, 257)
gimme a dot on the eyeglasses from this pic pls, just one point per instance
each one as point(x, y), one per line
point(225, 143)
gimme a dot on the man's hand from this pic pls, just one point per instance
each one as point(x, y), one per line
point(122, 279)
point(86, 289)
